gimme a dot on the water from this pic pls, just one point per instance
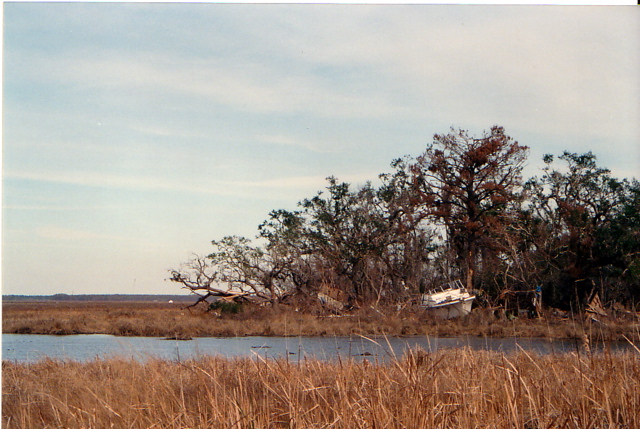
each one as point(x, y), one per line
point(30, 348)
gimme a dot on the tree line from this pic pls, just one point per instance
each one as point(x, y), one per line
point(460, 210)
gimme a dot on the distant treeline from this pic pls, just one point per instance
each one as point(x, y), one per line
point(98, 298)
point(460, 210)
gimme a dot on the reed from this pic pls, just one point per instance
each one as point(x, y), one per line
point(447, 389)
point(169, 320)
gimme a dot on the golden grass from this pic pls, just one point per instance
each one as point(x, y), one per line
point(448, 389)
point(169, 320)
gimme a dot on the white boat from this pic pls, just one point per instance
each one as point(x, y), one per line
point(448, 301)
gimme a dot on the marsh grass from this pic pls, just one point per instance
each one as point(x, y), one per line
point(173, 320)
point(448, 389)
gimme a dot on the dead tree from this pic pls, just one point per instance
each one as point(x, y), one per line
point(201, 277)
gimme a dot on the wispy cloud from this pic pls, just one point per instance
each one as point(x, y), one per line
point(244, 85)
point(72, 234)
point(237, 188)
point(47, 208)
point(288, 140)
point(451, 65)
point(93, 179)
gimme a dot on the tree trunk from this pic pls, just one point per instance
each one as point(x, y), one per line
point(471, 256)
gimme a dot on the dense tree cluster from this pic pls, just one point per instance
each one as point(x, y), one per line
point(460, 210)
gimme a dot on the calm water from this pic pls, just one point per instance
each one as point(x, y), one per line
point(28, 348)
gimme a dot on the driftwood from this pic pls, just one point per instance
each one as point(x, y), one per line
point(595, 308)
point(329, 302)
point(332, 298)
point(227, 296)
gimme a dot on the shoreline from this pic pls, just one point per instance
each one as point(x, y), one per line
point(175, 321)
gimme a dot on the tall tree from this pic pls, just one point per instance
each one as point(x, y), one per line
point(576, 202)
point(412, 252)
point(285, 235)
point(465, 183)
point(348, 232)
point(617, 248)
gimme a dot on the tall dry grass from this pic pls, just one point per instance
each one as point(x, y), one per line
point(448, 389)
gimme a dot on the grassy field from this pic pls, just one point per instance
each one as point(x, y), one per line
point(448, 389)
point(173, 320)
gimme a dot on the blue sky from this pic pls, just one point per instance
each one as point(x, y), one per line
point(136, 133)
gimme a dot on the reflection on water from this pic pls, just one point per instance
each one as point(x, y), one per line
point(27, 348)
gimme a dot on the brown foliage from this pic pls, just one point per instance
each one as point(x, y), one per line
point(465, 183)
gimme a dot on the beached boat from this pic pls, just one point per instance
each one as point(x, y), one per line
point(448, 301)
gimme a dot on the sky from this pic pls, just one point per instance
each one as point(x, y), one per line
point(136, 133)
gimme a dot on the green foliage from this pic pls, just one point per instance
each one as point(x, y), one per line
point(226, 307)
point(584, 228)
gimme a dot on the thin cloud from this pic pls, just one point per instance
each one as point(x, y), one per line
point(73, 234)
point(287, 140)
point(248, 86)
point(236, 188)
point(95, 180)
point(46, 208)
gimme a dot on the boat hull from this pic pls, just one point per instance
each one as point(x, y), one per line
point(451, 310)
